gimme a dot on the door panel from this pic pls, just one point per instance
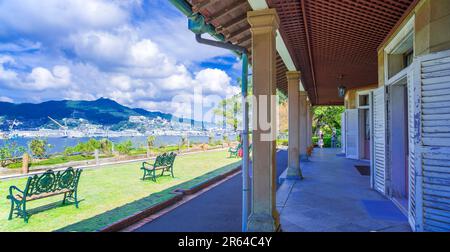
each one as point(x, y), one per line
point(352, 133)
point(379, 140)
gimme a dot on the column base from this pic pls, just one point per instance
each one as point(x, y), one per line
point(263, 223)
point(293, 173)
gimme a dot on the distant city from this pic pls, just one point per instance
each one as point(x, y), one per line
point(100, 118)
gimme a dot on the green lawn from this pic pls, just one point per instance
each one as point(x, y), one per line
point(112, 193)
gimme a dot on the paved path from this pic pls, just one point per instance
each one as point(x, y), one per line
point(332, 197)
point(218, 209)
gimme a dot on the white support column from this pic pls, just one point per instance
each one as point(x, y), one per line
point(309, 123)
point(293, 171)
point(264, 216)
point(303, 124)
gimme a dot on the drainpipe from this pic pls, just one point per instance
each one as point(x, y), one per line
point(245, 131)
point(198, 25)
point(245, 145)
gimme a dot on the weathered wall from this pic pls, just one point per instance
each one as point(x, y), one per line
point(431, 29)
point(351, 96)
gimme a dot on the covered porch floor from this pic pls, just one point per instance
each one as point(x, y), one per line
point(334, 196)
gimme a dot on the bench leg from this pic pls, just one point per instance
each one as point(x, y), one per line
point(65, 197)
point(154, 175)
point(145, 173)
point(76, 199)
point(24, 212)
point(11, 211)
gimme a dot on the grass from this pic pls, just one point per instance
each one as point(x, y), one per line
point(112, 193)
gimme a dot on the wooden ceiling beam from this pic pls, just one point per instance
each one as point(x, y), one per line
point(221, 13)
point(196, 8)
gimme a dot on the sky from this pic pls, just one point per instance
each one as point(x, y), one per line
point(136, 52)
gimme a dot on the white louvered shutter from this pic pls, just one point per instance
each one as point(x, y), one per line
point(432, 150)
point(411, 153)
point(379, 139)
point(351, 141)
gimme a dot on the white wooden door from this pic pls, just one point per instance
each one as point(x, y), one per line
point(379, 140)
point(432, 142)
point(352, 133)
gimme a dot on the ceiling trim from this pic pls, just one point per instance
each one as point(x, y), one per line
point(280, 44)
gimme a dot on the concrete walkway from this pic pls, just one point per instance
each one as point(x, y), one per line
point(335, 197)
point(332, 197)
point(218, 209)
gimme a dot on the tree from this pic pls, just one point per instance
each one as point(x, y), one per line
point(327, 118)
point(231, 108)
point(184, 140)
point(38, 147)
point(8, 151)
point(105, 146)
point(151, 141)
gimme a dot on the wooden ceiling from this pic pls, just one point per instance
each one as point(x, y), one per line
point(332, 42)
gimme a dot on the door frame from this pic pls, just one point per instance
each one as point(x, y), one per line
point(402, 81)
point(361, 122)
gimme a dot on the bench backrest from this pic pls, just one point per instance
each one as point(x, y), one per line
point(51, 181)
point(170, 158)
point(165, 159)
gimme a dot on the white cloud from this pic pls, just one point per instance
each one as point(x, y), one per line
point(6, 75)
point(5, 99)
point(90, 49)
point(41, 78)
point(59, 17)
point(180, 42)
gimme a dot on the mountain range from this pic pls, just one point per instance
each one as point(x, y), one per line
point(102, 111)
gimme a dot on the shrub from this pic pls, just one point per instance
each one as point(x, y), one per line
point(326, 141)
point(124, 148)
point(69, 151)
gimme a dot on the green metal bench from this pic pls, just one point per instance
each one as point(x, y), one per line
point(162, 162)
point(234, 151)
point(42, 186)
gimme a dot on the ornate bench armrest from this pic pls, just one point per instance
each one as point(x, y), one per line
point(149, 164)
point(12, 193)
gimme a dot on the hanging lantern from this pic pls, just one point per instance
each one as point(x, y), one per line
point(341, 90)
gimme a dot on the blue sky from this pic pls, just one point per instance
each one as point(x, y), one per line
point(137, 52)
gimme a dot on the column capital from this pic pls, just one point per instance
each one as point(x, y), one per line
point(263, 21)
point(293, 75)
